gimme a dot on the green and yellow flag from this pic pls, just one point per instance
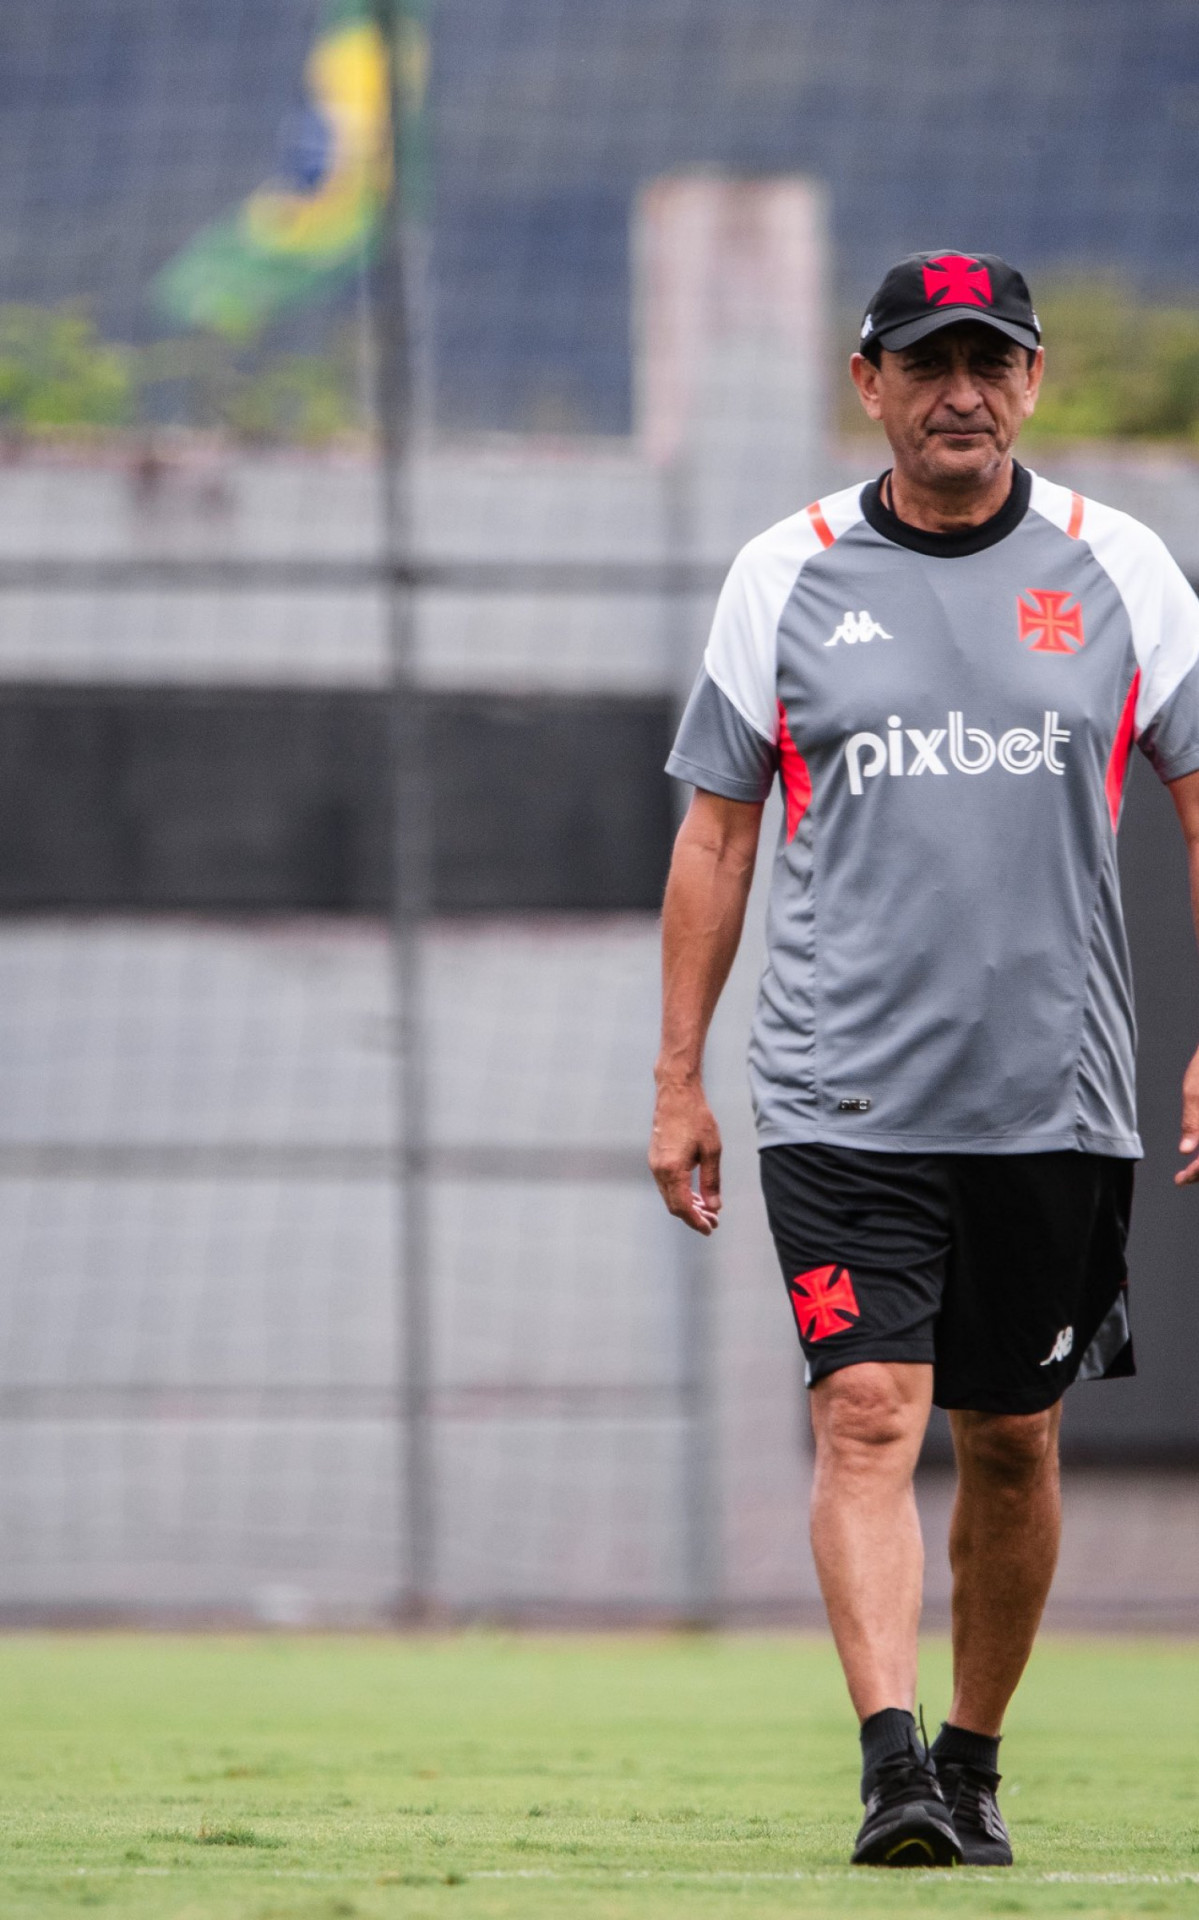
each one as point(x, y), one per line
point(297, 236)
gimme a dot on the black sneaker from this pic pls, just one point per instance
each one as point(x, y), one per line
point(970, 1796)
point(907, 1822)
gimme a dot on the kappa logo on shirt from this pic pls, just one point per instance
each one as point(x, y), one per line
point(858, 628)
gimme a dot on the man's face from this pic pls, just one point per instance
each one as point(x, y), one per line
point(952, 404)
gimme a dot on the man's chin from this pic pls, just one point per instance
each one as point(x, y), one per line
point(961, 461)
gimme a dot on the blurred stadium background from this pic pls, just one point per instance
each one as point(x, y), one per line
point(359, 528)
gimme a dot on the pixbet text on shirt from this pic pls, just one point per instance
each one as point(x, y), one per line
point(969, 749)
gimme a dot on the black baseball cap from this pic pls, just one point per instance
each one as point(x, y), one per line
point(928, 291)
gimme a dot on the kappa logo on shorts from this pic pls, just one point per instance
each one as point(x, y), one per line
point(823, 1304)
point(1062, 1347)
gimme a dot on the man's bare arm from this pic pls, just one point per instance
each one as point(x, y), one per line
point(710, 877)
point(1185, 795)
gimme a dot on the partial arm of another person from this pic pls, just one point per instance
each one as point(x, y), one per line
point(710, 876)
point(1185, 795)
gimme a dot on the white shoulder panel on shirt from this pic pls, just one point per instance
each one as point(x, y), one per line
point(1058, 505)
point(741, 654)
point(1162, 609)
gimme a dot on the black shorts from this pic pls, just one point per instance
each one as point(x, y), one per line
point(1004, 1272)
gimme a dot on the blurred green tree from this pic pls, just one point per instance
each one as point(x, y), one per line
point(1116, 368)
point(56, 372)
point(59, 377)
point(304, 399)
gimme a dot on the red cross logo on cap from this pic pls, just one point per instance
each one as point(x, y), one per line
point(955, 281)
point(823, 1303)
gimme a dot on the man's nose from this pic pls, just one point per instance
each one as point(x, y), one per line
point(961, 391)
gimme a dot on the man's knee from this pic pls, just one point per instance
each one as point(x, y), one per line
point(1007, 1449)
point(867, 1411)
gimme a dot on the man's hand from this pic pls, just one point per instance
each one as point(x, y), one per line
point(685, 1136)
point(709, 882)
point(1185, 795)
point(1189, 1176)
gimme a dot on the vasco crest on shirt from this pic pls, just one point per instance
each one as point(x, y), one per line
point(1050, 621)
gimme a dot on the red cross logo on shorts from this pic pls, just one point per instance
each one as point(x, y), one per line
point(955, 281)
point(822, 1304)
point(1050, 622)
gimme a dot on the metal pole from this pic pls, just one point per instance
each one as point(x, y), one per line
point(695, 1278)
point(412, 850)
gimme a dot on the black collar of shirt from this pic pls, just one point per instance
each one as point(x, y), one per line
point(949, 546)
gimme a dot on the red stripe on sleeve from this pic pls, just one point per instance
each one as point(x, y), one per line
point(797, 780)
point(1117, 766)
point(820, 525)
point(1077, 504)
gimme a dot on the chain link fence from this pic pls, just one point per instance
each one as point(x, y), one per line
point(383, 391)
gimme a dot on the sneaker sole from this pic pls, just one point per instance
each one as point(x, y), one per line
point(911, 1841)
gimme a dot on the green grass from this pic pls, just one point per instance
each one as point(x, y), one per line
point(612, 1779)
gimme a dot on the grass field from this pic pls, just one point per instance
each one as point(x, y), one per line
point(486, 1776)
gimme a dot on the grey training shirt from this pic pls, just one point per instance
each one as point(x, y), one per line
point(950, 720)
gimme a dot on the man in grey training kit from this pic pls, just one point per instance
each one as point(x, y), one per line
point(946, 669)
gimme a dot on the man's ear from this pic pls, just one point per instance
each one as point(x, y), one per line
point(865, 376)
point(1035, 371)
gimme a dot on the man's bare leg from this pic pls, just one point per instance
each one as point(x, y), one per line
point(1003, 1546)
point(869, 1421)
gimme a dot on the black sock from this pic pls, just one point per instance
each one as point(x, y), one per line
point(883, 1735)
point(968, 1749)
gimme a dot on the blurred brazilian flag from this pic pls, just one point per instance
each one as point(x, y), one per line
point(303, 233)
